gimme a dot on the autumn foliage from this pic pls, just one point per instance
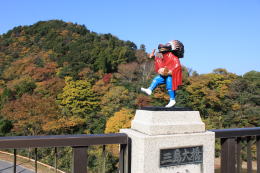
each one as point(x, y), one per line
point(61, 78)
point(30, 113)
point(121, 119)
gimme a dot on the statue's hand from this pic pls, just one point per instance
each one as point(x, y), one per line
point(164, 71)
point(152, 54)
point(161, 71)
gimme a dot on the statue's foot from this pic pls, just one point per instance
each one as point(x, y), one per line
point(147, 91)
point(171, 104)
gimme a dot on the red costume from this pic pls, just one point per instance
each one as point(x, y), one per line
point(171, 62)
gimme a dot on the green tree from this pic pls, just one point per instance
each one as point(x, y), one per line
point(24, 87)
point(5, 126)
point(244, 97)
point(208, 94)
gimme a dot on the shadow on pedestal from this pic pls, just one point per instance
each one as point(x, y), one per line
point(153, 108)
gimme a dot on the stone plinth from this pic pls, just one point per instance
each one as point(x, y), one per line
point(167, 122)
point(154, 131)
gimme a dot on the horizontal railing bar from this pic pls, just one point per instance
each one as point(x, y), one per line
point(237, 132)
point(62, 140)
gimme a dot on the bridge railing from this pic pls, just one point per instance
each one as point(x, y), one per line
point(231, 146)
point(79, 144)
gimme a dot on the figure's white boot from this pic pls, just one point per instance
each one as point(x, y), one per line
point(171, 104)
point(147, 91)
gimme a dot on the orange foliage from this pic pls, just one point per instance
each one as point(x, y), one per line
point(63, 123)
point(159, 93)
point(101, 87)
point(51, 86)
point(30, 112)
point(12, 83)
point(43, 73)
point(64, 33)
point(22, 39)
point(83, 72)
point(143, 100)
point(27, 66)
point(2, 83)
point(24, 51)
point(17, 68)
point(121, 119)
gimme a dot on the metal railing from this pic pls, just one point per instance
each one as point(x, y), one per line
point(231, 145)
point(79, 144)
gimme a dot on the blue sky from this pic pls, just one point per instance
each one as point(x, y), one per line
point(216, 33)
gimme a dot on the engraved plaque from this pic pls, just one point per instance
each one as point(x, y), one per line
point(181, 156)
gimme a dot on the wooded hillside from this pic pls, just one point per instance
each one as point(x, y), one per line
point(61, 78)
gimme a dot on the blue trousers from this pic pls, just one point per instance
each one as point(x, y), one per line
point(159, 80)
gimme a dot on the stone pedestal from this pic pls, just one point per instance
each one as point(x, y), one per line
point(170, 142)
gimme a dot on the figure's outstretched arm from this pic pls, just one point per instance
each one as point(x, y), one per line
point(152, 55)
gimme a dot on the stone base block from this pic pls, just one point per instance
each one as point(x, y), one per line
point(146, 151)
point(167, 122)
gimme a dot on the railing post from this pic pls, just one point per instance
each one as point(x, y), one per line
point(249, 154)
point(258, 153)
point(79, 162)
point(29, 154)
point(121, 158)
point(128, 156)
point(125, 157)
point(36, 160)
point(228, 160)
point(56, 159)
point(14, 170)
point(103, 159)
point(238, 161)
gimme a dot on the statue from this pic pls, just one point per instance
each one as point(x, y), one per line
point(168, 67)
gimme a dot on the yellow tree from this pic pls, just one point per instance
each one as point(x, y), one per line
point(121, 119)
point(78, 101)
point(77, 97)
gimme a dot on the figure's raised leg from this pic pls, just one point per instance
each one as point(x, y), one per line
point(158, 80)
